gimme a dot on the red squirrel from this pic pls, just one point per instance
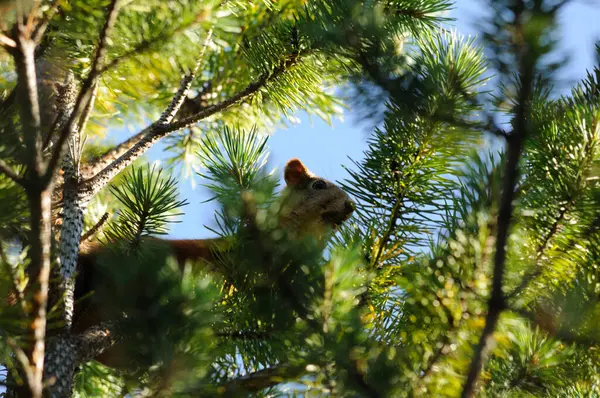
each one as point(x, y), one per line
point(310, 205)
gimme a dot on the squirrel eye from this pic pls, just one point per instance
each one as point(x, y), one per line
point(319, 184)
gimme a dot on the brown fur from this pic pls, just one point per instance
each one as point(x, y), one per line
point(309, 205)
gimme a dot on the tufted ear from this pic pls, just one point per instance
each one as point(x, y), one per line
point(295, 172)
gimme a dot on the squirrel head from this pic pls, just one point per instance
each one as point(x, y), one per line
point(312, 204)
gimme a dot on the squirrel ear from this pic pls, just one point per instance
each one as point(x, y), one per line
point(295, 171)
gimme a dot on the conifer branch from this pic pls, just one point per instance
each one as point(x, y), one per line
point(87, 111)
point(7, 42)
point(158, 131)
point(40, 29)
point(9, 172)
point(96, 165)
point(263, 378)
point(39, 202)
point(143, 46)
point(589, 153)
point(21, 357)
point(29, 107)
point(564, 335)
point(92, 231)
point(86, 92)
point(497, 301)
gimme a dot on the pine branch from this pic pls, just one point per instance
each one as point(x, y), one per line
point(7, 42)
point(88, 110)
point(9, 172)
point(566, 336)
point(27, 96)
point(96, 165)
point(496, 302)
point(68, 351)
point(262, 379)
point(92, 231)
point(86, 93)
point(589, 151)
point(21, 357)
point(39, 274)
point(244, 335)
point(145, 45)
point(39, 200)
point(40, 29)
point(167, 116)
point(400, 197)
point(158, 131)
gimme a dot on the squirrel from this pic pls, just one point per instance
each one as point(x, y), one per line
point(309, 205)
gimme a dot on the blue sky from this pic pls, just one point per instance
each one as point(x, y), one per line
point(324, 149)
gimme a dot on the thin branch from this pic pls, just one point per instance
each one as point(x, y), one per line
point(589, 151)
point(145, 45)
point(39, 274)
point(211, 110)
point(92, 231)
point(566, 336)
point(88, 110)
point(244, 335)
point(84, 97)
point(27, 95)
point(263, 378)
point(184, 86)
point(496, 302)
point(157, 131)
point(98, 164)
point(21, 357)
point(7, 42)
point(40, 29)
point(9, 172)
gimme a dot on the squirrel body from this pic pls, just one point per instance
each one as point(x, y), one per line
point(309, 205)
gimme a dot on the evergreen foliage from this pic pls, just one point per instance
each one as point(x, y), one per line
point(470, 266)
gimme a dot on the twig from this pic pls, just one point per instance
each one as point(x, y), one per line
point(571, 201)
point(7, 42)
point(184, 86)
point(98, 164)
point(244, 335)
point(143, 46)
point(9, 172)
point(40, 29)
point(88, 109)
point(263, 378)
point(157, 131)
point(27, 93)
point(92, 231)
point(211, 110)
point(561, 334)
point(496, 302)
point(21, 358)
point(85, 94)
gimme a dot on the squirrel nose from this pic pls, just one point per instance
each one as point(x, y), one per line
point(349, 206)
